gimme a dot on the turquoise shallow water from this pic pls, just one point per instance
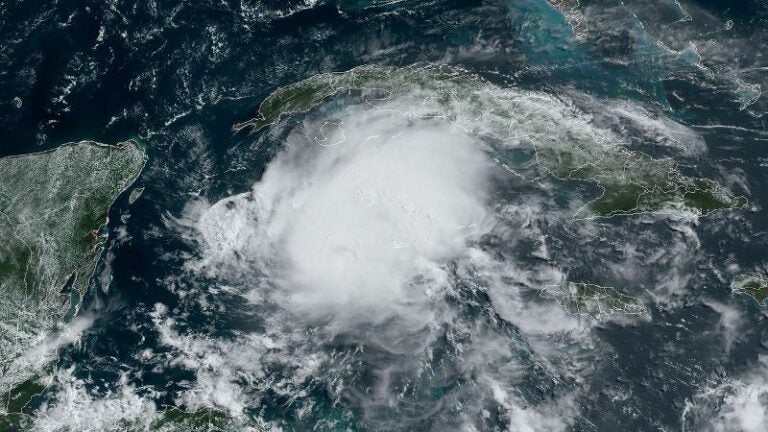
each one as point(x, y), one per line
point(177, 75)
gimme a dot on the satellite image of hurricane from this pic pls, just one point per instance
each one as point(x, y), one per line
point(384, 215)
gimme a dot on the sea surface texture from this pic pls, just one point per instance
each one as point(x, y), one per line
point(384, 215)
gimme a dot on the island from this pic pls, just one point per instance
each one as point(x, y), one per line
point(753, 285)
point(593, 300)
point(561, 140)
point(53, 212)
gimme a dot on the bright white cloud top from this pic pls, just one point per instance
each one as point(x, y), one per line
point(364, 225)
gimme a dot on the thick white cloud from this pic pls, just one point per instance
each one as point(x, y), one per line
point(76, 409)
point(731, 321)
point(363, 226)
point(736, 405)
point(372, 225)
point(43, 351)
point(745, 411)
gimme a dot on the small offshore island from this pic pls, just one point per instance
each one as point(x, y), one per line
point(53, 208)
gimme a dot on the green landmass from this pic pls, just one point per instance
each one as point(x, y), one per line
point(593, 300)
point(53, 207)
point(175, 419)
point(563, 146)
point(657, 187)
point(203, 420)
point(171, 420)
point(14, 423)
point(753, 285)
point(21, 394)
point(13, 402)
point(302, 96)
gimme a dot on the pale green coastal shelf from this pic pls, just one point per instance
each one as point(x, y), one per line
point(52, 206)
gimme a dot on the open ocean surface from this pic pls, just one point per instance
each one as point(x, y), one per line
point(177, 75)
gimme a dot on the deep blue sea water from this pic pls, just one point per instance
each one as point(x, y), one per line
point(176, 75)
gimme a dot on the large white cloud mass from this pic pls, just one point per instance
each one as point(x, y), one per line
point(738, 404)
point(390, 252)
point(357, 220)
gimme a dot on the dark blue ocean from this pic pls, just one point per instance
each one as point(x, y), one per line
point(175, 76)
